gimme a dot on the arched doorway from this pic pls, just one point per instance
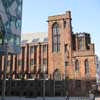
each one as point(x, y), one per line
point(57, 75)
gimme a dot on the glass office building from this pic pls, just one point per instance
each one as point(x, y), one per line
point(10, 25)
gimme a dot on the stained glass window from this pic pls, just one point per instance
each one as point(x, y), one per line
point(56, 38)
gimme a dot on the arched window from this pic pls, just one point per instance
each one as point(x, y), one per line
point(86, 67)
point(76, 65)
point(55, 38)
point(57, 75)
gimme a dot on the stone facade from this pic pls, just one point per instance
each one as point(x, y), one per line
point(74, 60)
point(56, 60)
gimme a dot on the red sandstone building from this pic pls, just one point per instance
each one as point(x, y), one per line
point(62, 53)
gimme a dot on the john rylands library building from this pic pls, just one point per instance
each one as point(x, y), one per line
point(66, 57)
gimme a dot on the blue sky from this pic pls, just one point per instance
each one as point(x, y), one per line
point(85, 16)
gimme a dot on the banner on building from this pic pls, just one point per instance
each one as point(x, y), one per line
point(10, 25)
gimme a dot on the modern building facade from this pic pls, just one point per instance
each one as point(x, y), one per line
point(61, 53)
point(10, 25)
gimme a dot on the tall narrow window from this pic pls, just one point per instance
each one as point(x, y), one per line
point(86, 67)
point(77, 65)
point(31, 62)
point(56, 38)
point(45, 61)
point(80, 44)
point(66, 47)
point(64, 23)
point(31, 49)
point(44, 48)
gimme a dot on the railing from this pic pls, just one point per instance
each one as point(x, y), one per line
point(47, 98)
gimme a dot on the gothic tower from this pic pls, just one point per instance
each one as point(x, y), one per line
point(59, 44)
